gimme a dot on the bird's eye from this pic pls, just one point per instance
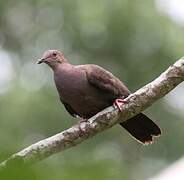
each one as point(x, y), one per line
point(54, 54)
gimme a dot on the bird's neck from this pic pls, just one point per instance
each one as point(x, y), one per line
point(62, 74)
point(58, 66)
point(62, 67)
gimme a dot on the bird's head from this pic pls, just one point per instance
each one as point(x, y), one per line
point(52, 57)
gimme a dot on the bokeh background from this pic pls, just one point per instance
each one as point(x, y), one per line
point(136, 40)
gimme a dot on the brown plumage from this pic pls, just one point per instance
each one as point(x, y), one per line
point(87, 89)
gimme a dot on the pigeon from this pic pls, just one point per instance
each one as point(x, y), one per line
point(85, 90)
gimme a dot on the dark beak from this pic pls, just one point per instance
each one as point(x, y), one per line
point(40, 61)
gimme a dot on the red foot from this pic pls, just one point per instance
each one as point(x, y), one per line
point(118, 102)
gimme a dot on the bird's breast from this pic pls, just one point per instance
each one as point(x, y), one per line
point(69, 84)
point(74, 89)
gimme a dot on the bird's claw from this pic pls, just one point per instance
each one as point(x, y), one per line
point(118, 102)
point(83, 120)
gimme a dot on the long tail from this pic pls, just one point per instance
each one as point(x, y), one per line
point(142, 128)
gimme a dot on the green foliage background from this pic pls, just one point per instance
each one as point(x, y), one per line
point(132, 39)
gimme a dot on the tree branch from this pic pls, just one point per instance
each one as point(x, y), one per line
point(136, 102)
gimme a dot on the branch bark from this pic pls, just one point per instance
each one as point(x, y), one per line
point(136, 102)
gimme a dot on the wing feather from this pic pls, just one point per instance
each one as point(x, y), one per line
point(105, 81)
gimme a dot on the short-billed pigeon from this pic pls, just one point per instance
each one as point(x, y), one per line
point(87, 89)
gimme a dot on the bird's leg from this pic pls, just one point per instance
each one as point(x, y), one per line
point(118, 102)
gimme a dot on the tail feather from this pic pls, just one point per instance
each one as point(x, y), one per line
point(142, 128)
